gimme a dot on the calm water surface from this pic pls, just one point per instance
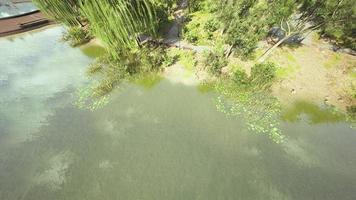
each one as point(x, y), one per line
point(162, 142)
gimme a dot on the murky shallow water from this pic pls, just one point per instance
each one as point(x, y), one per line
point(162, 142)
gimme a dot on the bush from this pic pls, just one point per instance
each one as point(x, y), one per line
point(215, 61)
point(76, 36)
point(201, 28)
point(211, 25)
point(240, 78)
point(351, 112)
point(263, 75)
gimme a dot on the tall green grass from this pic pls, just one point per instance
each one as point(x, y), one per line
point(64, 11)
point(118, 23)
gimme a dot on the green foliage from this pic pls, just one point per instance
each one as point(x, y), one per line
point(248, 98)
point(351, 112)
point(248, 21)
point(66, 11)
point(201, 28)
point(244, 22)
point(194, 5)
point(260, 110)
point(184, 57)
point(337, 18)
point(241, 79)
point(263, 75)
point(76, 36)
point(244, 36)
point(169, 60)
point(152, 60)
point(215, 61)
point(112, 71)
point(261, 78)
point(119, 23)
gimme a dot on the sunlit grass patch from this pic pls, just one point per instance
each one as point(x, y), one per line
point(333, 61)
point(287, 64)
point(287, 71)
point(184, 57)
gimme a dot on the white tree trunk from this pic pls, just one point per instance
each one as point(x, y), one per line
point(270, 50)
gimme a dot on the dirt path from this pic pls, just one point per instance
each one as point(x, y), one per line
point(316, 74)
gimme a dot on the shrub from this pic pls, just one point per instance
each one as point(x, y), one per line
point(263, 75)
point(76, 36)
point(240, 78)
point(215, 61)
point(351, 112)
point(200, 28)
point(211, 25)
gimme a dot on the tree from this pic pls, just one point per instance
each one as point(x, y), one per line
point(334, 18)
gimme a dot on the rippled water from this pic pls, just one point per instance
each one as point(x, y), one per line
point(165, 141)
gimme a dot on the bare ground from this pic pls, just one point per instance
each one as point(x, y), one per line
point(315, 73)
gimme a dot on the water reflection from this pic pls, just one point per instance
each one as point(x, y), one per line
point(171, 143)
point(33, 69)
point(154, 140)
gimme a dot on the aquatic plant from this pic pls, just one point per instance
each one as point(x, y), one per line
point(87, 101)
point(260, 110)
point(249, 98)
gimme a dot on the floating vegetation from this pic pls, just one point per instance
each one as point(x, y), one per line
point(249, 98)
point(260, 110)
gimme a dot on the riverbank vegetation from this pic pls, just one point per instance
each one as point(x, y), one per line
point(241, 38)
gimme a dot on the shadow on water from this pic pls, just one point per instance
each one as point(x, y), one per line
point(314, 113)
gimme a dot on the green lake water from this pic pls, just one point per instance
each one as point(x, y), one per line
point(157, 142)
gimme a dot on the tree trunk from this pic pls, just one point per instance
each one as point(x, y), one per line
point(270, 50)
